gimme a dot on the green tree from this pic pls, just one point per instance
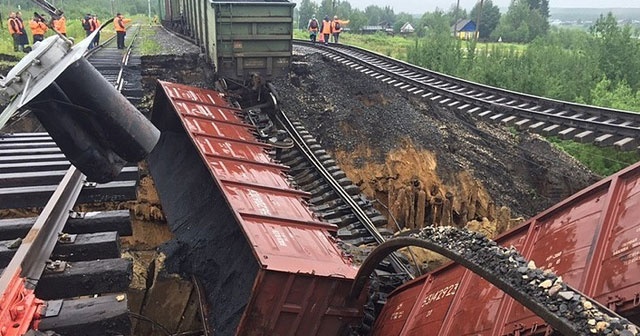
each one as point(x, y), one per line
point(306, 11)
point(489, 18)
point(524, 21)
point(401, 19)
point(617, 49)
point(618, 96)
point(357, 20)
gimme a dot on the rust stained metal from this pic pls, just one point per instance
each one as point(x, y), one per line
point(591, 239)
point(285, 235)
point(304, 278)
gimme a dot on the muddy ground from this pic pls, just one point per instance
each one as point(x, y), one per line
point(395, 145)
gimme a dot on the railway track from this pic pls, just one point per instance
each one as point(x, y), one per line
point(582, 123)
point(78, 252)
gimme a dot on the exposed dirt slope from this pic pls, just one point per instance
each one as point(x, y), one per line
point(427, 164)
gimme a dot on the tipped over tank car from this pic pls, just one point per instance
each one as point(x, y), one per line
point(239, 38)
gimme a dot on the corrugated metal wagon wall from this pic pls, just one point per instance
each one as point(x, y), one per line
point(253, 37)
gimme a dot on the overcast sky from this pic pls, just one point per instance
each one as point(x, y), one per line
point(421, 6)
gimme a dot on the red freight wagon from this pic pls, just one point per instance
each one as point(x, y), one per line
point(276, 269)
point(591, 239)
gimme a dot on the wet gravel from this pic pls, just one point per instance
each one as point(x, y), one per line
point(169, 43)
point(345, 108)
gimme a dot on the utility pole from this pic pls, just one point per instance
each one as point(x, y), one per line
point(112, 7)
point(477, 33)
point(149, 4)
point(455, 21)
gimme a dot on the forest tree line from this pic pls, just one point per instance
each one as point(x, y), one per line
point(76, 9)
point(523, 22)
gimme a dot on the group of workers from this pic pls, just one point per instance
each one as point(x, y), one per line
point(39, 27)
point(328, 28)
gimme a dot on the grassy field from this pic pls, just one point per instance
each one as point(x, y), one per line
point(394, 46)
point(74, 31)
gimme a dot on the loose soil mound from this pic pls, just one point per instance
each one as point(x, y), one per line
point(396, 145)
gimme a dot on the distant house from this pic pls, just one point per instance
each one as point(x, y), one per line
point(464, 29)
point(406, 29)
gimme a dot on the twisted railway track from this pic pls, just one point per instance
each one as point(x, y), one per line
point(582, 123)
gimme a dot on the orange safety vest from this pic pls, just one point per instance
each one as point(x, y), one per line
point(326, 27)
point(60, 25)
point(14, 26)
point(37, 28)
point(95, 24)
point(333, 26)
point(119, 23)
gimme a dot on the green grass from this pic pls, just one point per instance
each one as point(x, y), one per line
point(394, 46)
point(148, 46)
point(601, 160)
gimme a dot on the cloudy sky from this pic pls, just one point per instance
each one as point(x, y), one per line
point(421, 6)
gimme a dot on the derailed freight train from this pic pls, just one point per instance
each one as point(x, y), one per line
point(273, 269)
point(240, 38)
point(591, 239)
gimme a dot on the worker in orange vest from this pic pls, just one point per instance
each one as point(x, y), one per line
point(336, 28)
point(326, 29)
point(95, 24)
point(121, 31)
point(15, 29)
point(60, 25)
point(38, 27)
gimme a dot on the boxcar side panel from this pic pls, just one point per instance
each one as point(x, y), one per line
point(563, 242)
point(591, 239)
point(621, 260)
point(481, 299)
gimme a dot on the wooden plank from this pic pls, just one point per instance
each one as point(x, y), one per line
point(86, 278)
point(91, 222)
point(101, 316)
point(102, 245)
point(36, 178)
point(35, 197)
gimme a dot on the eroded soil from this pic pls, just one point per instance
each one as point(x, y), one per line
point(426, 164)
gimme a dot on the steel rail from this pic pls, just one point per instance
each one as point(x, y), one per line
point(29, 261)
point(583, 117)
point(125, 61)
point(357, 211)
point(37, 246)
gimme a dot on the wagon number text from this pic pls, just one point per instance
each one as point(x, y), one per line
point(439, 295)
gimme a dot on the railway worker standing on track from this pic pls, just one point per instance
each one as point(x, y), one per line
point(95, 24)
point(61, 24)
point(86, 24)
point(326, 29)
point(15, 29)
point(121, 30)
point(313, 26)
point(23, 42)
point(38, 27)
point(336, 28)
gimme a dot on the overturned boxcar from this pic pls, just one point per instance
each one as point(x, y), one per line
point(591, 239)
